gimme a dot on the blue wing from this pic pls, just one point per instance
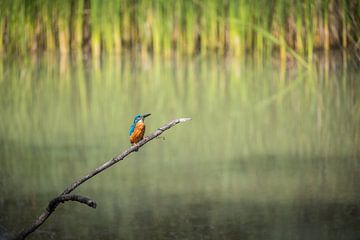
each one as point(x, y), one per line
point(131, 130)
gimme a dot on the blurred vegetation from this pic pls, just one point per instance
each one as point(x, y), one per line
point(56, 102)
point(180, 27)
point(262, 143)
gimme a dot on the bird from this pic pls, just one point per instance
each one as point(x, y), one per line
point(137, 129)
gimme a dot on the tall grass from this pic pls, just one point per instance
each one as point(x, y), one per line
point(185, 27)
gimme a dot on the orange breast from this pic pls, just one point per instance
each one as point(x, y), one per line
point(138, 133)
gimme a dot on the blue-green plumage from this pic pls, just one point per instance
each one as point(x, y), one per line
point(132, 127)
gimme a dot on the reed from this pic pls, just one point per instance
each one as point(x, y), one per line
point(181, 27)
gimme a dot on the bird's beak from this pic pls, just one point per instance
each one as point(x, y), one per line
point(146, 115)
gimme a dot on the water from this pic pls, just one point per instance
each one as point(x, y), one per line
point(271, 152)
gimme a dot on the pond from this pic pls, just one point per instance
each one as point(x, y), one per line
point(272, 151)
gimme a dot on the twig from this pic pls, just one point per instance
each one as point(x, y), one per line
point(64, 196)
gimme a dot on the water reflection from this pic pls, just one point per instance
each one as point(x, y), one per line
point(271, 153)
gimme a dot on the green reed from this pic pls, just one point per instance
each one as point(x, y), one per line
point(185, 27)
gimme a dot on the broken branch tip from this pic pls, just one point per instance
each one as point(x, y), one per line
point(184, 119)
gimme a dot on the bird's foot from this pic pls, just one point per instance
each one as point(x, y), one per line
point(137, 147)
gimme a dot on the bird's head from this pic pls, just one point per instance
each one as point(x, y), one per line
point(140, 117)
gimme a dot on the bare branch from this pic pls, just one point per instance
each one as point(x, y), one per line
point(67, 197)
point(64, 196)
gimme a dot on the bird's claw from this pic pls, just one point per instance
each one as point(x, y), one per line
point(136, 147)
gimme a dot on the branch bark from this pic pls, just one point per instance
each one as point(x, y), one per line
point(64, 196)
point(67, 197)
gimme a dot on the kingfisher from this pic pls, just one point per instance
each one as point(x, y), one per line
point(137, 129)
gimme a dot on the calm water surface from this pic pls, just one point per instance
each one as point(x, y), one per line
point(271, 152)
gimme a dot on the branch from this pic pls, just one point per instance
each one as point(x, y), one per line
point(67, 197)
point(51, 208)
point(64, 196)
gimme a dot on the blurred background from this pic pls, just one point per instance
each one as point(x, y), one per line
point(272, 87)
